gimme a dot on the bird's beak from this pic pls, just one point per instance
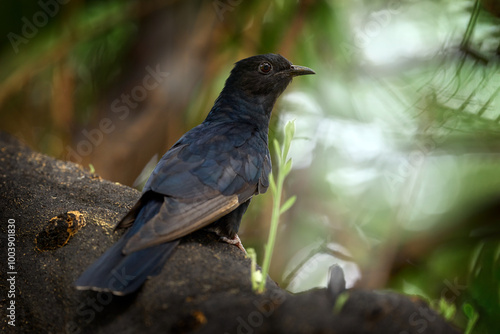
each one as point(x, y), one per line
point(296, 70)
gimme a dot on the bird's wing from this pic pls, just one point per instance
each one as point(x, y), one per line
point(206, 175)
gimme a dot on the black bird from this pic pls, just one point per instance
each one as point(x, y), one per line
point(206, 180)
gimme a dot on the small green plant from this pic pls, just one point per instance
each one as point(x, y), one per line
point(91, 169)
point(256, 274)
point(447, 310)
point(472, 315)
point(276, 187)
point(340, 302)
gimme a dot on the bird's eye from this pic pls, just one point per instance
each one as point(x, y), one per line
point(265, 68)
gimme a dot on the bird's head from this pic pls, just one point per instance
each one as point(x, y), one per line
point(264, 75)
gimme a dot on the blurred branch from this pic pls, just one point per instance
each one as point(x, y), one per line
point(54, 51)
point(472, 23)
point(465, 45)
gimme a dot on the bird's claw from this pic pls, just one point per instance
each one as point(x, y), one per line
point(234, 241)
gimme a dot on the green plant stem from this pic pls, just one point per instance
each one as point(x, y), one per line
point(272, 233)
point(276, 187)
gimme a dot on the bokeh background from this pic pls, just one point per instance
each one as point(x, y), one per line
point(396, 157)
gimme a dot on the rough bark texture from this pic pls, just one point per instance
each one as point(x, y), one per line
point(203, 288)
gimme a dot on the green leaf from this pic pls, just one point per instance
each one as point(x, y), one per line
point(287, 168)
point(277, 150)
point(288, 204)
point(256, 275)
point(340, 302)
point(289, 132)
point(468, 310)
point(472, 315)
point(446, 309)
point(272, 183)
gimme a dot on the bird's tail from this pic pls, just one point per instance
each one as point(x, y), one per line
point(122, 274)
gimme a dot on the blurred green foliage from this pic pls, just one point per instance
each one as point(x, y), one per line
point(397, 146)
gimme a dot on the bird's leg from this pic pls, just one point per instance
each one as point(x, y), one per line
point(228, 225)
point(234, 241)
point(222, 234)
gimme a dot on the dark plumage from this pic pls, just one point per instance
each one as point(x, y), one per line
point(205, 180)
